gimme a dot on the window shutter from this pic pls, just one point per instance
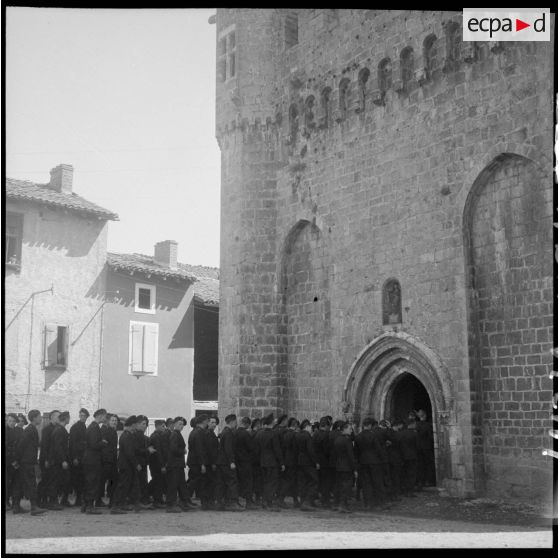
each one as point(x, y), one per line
point(136, 352)
point(66, 346)
point(150, 348)
point(50, 345)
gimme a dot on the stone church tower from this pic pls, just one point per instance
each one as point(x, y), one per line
point(386, 231)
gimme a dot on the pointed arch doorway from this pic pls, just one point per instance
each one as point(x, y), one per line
point(397, 373)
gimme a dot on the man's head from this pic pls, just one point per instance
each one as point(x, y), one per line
point(35, 417)
point(283, 420)
point(83, 414)
point(99, 415)
point(112, 421)
point(230, 421)
point(421, 413)
point(337, 425)
point(21, 420)
point(412, 416)
point(324, 423)
point(130, 423)
point(315, 425)
point(306, 425)
point(141, 423)
point(245, 423)
point(293, 423)
point(64, 418)
point(193, 422)
point(203, 421)
point(11, 420)
point(169, 423)
point(346, 428)
point(397, 424)
point(212, 424)
point(256, 424)
point(367, 423)
point(268, 421)
point(53, 416)
point(159, 425)
point(179, 423)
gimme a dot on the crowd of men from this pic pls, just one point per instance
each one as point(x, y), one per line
point(263, 461)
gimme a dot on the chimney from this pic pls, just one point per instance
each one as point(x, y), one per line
point(61, 178)
point(166, 253)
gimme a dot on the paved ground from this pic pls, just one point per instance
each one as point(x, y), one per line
point(426, 521)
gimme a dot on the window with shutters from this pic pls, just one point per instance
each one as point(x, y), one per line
point(14, 237)
point(227, 54)
point(56, 346)
point(144, 348)
point(145, 298)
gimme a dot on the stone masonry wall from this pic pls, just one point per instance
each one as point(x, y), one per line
point(383, 169)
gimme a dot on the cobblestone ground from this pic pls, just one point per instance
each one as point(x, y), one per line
point(428, 521)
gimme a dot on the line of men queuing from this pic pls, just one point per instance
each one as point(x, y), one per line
point(264, 461)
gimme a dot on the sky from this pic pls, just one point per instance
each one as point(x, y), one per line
point(128, 98)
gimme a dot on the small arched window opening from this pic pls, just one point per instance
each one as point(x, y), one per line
point(291, 30)
point(384, 75)
point(293, 122)
point(407, 66)
point(309, 112)
point(391, 303)
point(453, 45)
point(326, 106)
point(429, 53)
point(343, 97)
point(363, 76)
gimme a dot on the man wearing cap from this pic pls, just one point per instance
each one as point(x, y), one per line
point(58, 459)
point(197, 460)
point(93, 461)
point(321, 449)
point(226, 492)
point(211, 448)
point(256, 467)
point(143, 451)
point(26, 459)
point(409, 450)
point(44, 487)
point(11, 439)
point(77, 444)
point(243, 451)
point(288, 483)
point(345, 465)
point(176, 479)
point(109, 454)
point(157, 463)
point(308, 466)
point(128, 484)
point(334, 433)
point(271, 462)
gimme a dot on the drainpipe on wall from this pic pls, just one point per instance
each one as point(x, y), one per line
point(101, 344)
point(30, 358)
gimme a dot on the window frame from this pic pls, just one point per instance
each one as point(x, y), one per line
point(130, 344)
point(225, 56)
point(46, 364)
point(18, 237)
point(153, 299)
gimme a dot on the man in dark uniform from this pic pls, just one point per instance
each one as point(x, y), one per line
point(425, 457)
point(345, 465)
point(256, 468)
point(157, 463)
point(44, 486)
point(197, 460)
point(333, 434)
point(58, 460)
point(176, 479)
point(109, 454)
point(143, 451)
point(395, 458)
point(271, 462)
point(128, 468)
point(93, 461)
point(369, 455)
point(320, 440)
point(288, 484)
point(383, 432)
point(211, 448)
point(280, 427)
point(227, 480)
point(77, 448)
point(409, 451)
point(307, 466)
point(243, 451)
point(12, 436)
point(26, 460)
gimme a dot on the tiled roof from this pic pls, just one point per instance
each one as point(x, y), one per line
point(205, 279)
point(41, 193)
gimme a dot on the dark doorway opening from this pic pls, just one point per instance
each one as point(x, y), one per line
point(409, 394)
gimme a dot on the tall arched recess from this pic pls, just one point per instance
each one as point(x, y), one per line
point(507, 228)
point(306, 318)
